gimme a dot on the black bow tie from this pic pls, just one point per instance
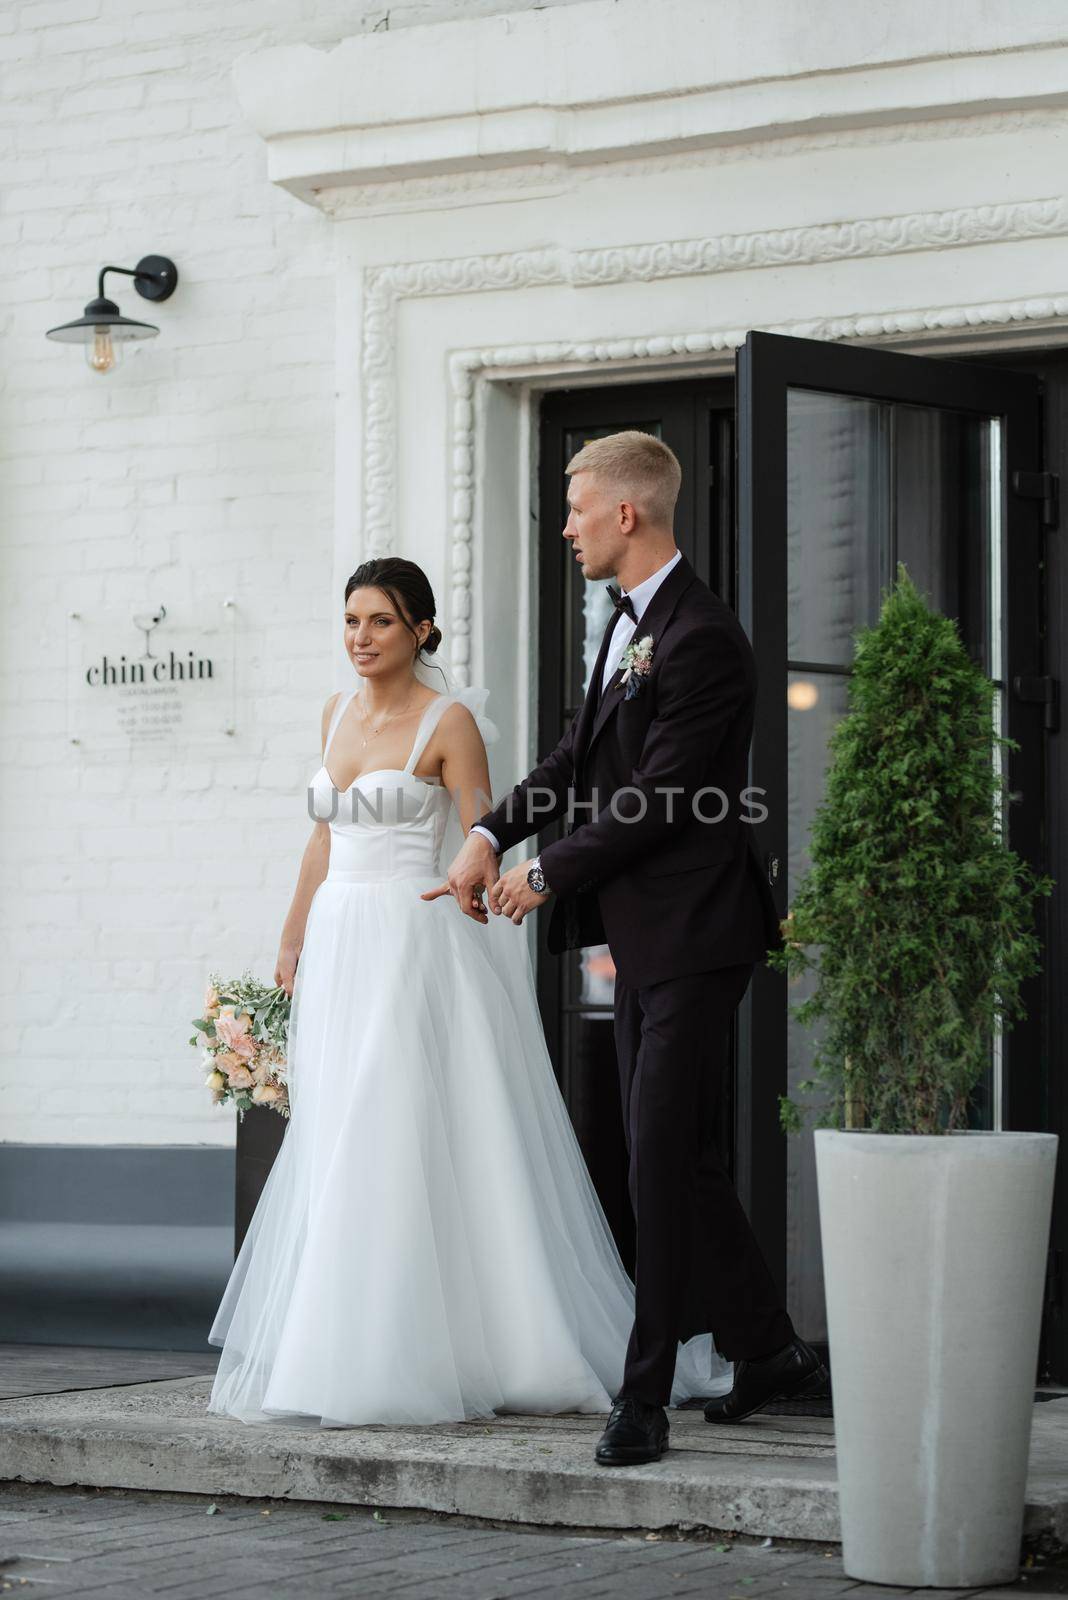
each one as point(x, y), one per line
point(622, 602)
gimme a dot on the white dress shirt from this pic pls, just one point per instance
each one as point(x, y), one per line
point(624, 632)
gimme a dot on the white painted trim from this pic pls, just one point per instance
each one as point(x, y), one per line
point(385, 287)
point(564, 84)
point(468, 368)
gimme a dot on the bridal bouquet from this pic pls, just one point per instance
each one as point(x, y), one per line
point(244, 1032)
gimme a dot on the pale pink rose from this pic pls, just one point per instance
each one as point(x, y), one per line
point(265, 1094)
point(241, 1079)
point(233, 1031)
point(211, 1001)
point(228, 1061)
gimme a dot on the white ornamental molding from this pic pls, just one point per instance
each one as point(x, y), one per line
point(385, 287)
point(834, 241)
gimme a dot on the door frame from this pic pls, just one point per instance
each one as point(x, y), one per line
point(684, 410)
point(1050, 367)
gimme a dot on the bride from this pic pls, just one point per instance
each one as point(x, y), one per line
point(428, 1245)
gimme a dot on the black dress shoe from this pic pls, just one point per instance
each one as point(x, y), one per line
point(794, 1371)
point(636, 1432)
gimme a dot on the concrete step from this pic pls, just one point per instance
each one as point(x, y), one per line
point(771, 1477)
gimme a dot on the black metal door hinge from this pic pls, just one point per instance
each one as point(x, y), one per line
point(1044, 692)
point(1044, 486)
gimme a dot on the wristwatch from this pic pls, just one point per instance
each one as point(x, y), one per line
point(536, 877)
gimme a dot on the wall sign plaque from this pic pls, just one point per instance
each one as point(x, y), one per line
point(155, 676)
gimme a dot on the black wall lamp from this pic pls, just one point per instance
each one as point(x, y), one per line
point(103, 330)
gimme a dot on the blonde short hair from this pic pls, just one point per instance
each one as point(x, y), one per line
point(642, 468)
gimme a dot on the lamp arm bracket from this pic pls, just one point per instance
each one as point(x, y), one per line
point(131, 272)
point(155, 277)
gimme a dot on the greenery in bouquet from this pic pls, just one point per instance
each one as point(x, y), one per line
point(915, 916)
point(244, 1034)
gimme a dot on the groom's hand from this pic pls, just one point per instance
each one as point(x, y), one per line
point(512, 894)
point(475, 868)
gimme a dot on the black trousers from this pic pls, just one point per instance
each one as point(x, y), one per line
point(698, 1266)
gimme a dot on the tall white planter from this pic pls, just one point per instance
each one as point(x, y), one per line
point(934, 1253)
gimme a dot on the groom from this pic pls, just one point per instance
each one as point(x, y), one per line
point(658, 863)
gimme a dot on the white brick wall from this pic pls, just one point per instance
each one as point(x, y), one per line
point(203, 464)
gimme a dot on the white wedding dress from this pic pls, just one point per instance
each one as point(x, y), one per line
point(428, 1245)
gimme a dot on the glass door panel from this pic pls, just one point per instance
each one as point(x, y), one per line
point(838, 521)
point(868, 483)
point(850, 461)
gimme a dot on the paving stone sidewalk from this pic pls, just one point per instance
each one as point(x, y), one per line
point(116, 1544)
point(65, 1532)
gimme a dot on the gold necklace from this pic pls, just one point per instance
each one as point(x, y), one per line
point(376, 731)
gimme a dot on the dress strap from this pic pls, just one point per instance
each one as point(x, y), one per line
point(427, 723)
point(338, 712)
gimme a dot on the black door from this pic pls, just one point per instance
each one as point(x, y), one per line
point(575, 993)
point(850, 460)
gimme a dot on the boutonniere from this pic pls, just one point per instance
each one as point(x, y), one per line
point(637, 658)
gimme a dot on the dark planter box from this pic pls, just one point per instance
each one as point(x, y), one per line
point(260, 1132)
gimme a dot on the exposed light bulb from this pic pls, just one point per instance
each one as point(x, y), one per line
point(101, 351)
point(802, 695)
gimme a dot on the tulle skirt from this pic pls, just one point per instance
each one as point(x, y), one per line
point(428, 1245)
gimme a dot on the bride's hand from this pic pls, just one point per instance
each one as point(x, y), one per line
point(475, 867)
point(286, 967)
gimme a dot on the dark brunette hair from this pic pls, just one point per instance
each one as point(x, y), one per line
point(407, 586)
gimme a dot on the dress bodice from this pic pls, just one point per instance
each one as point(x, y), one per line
point(388, 823)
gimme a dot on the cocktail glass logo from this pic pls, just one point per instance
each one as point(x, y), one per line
point(148, 667)
point(146, 621)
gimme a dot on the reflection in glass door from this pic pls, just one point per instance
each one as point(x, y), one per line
point(869, 483)
point(852, 460)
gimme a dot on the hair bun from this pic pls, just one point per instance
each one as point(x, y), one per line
point(433, 639)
